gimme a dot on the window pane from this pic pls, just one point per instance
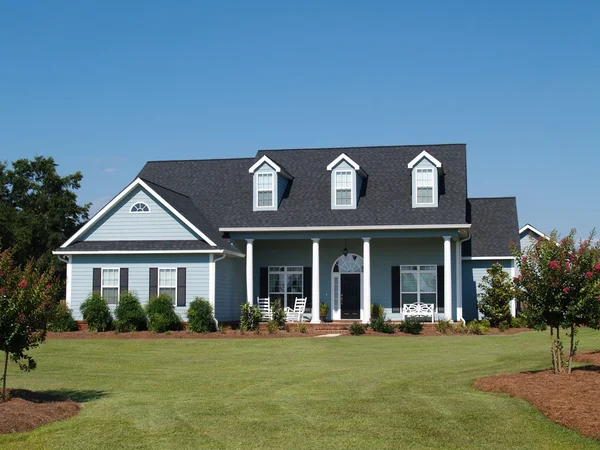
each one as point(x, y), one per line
point(294, 283)
point(167, 277)
point(111, 295)
point(343, 179)
point(409, 282)
point(403, 268)
point(424, 177)
point(110, 277)
point(424, 195)
point(428, 298)
point(430, 268)
point(343, 197)
point(295, 269)
point(409, 298)
point(428, 283)
point(265, 198)
point(168, 291)
point(275, 282)
point(265, 181)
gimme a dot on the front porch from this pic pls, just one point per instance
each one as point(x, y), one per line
point(350, 273)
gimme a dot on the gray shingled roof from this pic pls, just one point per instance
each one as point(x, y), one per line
point(494, 226)
point(222, 189)
point(137, 246)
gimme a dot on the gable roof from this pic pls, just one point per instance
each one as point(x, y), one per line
point(494, 227)
point(428, 157)
point(527, 228)
point(222, 188)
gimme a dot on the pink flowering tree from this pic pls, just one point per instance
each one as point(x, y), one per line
point(559, 288)
point(25, 301)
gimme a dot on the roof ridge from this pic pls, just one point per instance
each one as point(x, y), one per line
point(191, 160)
point(493, 198)
point(359, 147)
point(166, 188)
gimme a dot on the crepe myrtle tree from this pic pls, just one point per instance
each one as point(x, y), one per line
point(25, 301)
point(559, 287)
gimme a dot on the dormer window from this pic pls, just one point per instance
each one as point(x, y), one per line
point(140, 208)
point(425, 177)
point(346, 182)
point(264, 190)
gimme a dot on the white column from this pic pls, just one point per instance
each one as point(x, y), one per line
point(69, 280)
point(249, 270)
point(448, 277)
point(366, 280)
point(513, 302)
point(459, 305)
point(316, 293)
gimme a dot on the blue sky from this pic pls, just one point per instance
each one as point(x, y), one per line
point(104, 86)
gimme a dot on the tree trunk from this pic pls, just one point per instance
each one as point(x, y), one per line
point(571, 352)
point(559, 354)
point(4, 378)
point(553, 347)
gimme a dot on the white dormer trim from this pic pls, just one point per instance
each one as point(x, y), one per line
point(109, 206)
point(534, 230)
point(427, 156)
point(344, 157)
point(261, 161)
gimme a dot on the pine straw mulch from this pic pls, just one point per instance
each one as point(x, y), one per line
point(26, 410)
point(570, 400)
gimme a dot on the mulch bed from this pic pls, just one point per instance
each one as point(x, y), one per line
point(26, 410)
point(570, 400)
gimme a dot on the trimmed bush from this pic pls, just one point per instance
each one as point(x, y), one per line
point(96, 313)
point(250, 318)
point(129, 314)
point(200, 316)
point(161, 314)
point(272, 326)
point(411, 325)
point(474, 327)
point(61, 318)
point(279, 315)
point(381, 325)
point(444, 326)
point(503, 326)
point(485, 325)
point(357, 329)
point(518, 322)
point(377, 311)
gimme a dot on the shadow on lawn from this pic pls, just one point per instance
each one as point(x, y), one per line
point(77, 395)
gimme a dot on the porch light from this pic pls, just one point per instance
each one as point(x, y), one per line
point(345, 251)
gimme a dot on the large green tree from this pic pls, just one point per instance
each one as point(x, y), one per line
point(38, 209)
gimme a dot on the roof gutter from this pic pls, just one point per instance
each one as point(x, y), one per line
point(347, 228)
point(146, 252)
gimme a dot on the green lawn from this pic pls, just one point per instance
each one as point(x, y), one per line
point(346, 392)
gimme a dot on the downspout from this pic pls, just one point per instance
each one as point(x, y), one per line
point(214, 284)
point(63, 259)
point(459, 274)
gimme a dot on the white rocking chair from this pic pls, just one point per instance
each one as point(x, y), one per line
point(264, 306)
point(296, 314)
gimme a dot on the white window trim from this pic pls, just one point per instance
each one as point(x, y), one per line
point(335, 188)
point(272, 190)
point(158, 286)
point(118, 286)
point(285, 293)
point(418, 272)
point(432, 185)
point(131, 211)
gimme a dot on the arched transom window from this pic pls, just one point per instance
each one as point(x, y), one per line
point(349, 263)
point(140, 208)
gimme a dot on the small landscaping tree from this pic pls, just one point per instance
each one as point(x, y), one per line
point(96, 313)
point(559, 286)
point(497, 291)
point(129, 314)
point(25, 302)
point(200, 316)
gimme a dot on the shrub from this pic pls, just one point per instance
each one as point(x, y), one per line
point(518, 322)
point(411, 325)
point(357, 329)
point(323, 309)
point(161, 314)
point(485, 325)
point(503, 326)
point(96, 313)
point(250, 317)
point(61, 318)
point(474, 327)
point(200, 316)
point(272, 326)
point(377, 311)
point(278, 314)
point(129, 314)
point(460, 328)
point(302, 328)
point(444, 326)
point(497, 290)
point(380, 325)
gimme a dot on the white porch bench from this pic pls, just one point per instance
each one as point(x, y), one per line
point(418, 309)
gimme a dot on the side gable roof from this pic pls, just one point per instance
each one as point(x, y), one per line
point(527, 228)
point(494, 228)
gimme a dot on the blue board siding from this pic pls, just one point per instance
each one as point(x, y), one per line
point(121, 225)
point(473, 272)
point(230, 288)
point(281, 187)
point(385, 253)
point(527, 239)
point(197, 275)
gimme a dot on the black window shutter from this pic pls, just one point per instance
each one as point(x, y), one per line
point(181, 286)
point(307, 286)
point(440, 286)
point(153, 282)
point(263, 285)
point(96, 279)
point(124, 280)
point(395, 289)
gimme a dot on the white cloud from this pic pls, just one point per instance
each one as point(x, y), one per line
point(109, 170)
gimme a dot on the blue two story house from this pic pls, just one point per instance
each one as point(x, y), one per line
point(348, 227)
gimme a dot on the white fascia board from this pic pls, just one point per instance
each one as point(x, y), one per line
point(347, 228)
point(120, 196)
point(146, 252)
point(261, 161)
point(345, 158)
point(533, 229)
point(427, 156)
point(484, 258)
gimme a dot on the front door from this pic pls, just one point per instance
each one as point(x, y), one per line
point(350, 295)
